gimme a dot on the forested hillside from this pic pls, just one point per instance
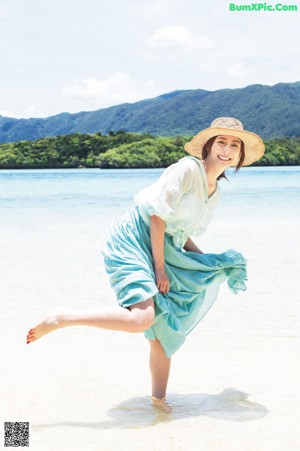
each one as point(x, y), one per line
point(121, 150)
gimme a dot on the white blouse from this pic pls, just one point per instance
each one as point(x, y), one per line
point(180, 198)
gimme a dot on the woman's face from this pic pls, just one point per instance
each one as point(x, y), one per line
point(225, 150)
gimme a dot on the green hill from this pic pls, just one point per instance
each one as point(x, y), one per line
point(270, 111)
point(121, 150)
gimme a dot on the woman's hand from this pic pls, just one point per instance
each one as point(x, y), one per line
point(157, 234)
point(162, 281)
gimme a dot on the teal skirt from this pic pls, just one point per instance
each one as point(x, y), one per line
point(194, 278)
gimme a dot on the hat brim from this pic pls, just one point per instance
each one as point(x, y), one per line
point(254, 146)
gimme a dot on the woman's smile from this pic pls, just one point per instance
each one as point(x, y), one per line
point(221, 157)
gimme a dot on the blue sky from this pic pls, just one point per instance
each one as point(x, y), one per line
point(76, 55)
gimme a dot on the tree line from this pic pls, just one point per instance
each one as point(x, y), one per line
point(122, 150)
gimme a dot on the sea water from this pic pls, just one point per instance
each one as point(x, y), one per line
point(101, 192)
point(55, 221)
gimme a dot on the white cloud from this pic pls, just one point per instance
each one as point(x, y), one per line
point(181, 38)
point(237, 71)
point(118, 88)
point(32, 109)
point(253, 70)
point(41, 109)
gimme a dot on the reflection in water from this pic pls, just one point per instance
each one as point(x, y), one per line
point(230, 405)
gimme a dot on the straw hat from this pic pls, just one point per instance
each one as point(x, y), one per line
point(254, 146)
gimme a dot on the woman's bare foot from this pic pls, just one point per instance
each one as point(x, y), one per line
point(161, 404)
point(49, 324)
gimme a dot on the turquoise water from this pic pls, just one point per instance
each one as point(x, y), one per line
point(53, 224)
point(252, 191)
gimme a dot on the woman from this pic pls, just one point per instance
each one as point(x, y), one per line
point(163, 281)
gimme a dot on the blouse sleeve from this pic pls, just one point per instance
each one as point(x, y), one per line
point(162, 197)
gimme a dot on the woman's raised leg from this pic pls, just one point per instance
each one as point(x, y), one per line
point(136, 318)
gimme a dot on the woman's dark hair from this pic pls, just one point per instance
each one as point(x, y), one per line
point(207, 148)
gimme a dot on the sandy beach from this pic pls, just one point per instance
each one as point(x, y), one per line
point(234, 385)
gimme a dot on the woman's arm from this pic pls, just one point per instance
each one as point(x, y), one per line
point(191, 246)
point(157, 235)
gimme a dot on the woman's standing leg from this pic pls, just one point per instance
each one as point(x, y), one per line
point(160, 369)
